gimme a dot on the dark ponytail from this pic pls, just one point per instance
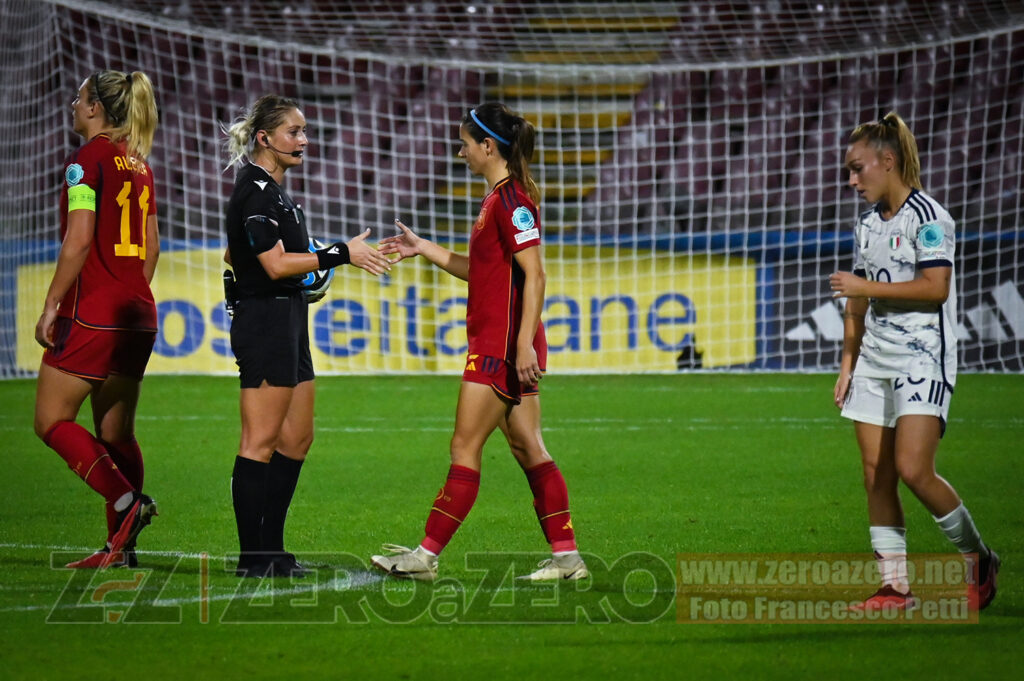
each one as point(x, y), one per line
point(514, 136)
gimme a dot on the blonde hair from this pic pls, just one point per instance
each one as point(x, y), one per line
point(891, 132)
point(516, 146)
point(266, 113)
point(129, 104)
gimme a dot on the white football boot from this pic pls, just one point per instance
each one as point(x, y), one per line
point(569, 566)
point(405, 563)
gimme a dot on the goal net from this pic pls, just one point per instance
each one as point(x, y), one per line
point(689, 159)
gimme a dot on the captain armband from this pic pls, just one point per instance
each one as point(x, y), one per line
point(81, 197)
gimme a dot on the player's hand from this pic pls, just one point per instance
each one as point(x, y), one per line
point(366, 257)
point(405, 245)
point(44, 328)
point(847, 285)
point(841, 390)
point(528, 366)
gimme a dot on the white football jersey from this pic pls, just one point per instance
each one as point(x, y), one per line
point(906, 338)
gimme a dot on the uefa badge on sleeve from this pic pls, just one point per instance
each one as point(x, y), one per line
point(73, 174)
point(522, 219)
point(931, 236)
point(524, 222)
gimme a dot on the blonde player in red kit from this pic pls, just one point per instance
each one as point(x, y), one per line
point(507, 350)
point(99, 323)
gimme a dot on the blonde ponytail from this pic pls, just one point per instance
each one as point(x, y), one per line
point(891, 132)
point(129, 105)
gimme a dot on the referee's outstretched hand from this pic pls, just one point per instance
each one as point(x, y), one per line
point(362, 255)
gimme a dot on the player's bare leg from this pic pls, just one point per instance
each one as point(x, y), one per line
point(917, 442)
point(885, 515)
point(263, 412)
point(294, 441)
point(59, 396)
point(114, 404)
point(522, 430)
point(477, 415)
point(881, 480)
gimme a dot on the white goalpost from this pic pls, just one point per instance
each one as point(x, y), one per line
point(689, 157)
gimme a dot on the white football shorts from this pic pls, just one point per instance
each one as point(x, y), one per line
point(880, 401)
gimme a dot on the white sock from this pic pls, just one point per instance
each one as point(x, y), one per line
point(958, 526)
point(890, 547)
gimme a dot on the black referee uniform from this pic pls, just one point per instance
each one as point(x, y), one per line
point(269, 332)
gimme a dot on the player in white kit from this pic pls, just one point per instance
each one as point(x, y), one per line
point(898, 366)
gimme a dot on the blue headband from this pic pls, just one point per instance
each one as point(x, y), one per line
point(472, 112)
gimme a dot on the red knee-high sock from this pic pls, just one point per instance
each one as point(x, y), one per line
point(551, 502)
point(88, 458)
point(112, 524)
point(128, 458)
point(451, 507)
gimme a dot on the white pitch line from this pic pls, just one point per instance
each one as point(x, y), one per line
point(331, 585)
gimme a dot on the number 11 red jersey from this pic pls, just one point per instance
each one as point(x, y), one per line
point(111, 292)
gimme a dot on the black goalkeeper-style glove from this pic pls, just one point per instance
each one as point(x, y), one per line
point(332, 256)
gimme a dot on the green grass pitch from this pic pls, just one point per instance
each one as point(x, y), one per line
point(656, 466)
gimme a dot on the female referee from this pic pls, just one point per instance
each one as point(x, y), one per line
point(507, 348)
point(268, 248)
point(899, 357)
point(98, 323)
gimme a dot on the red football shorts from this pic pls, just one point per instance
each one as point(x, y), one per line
point(94, 354)
point(498, 374)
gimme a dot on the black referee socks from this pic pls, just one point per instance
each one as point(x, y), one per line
point(282, 477)
point(248, 492)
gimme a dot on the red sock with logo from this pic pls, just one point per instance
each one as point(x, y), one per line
point(551, 502)
point(128, 458)
point(88, 458)
point(451, 507)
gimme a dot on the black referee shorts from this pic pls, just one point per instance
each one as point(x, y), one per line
point(270, 339)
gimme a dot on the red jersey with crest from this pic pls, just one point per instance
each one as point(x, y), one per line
point(508, 223)
point(111, 292)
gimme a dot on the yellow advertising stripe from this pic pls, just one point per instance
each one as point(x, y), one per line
point(604, 312)
point(582, 156)
point(579, 57)
point(576, 120)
